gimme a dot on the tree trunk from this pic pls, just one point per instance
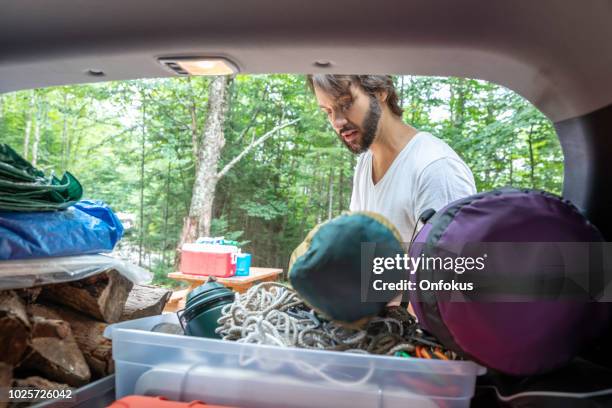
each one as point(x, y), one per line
point(197, 223)
point(320, 199)
point(330, 195)
point(166, 214)
point(458, 99)
point(194, 125)
point(401, 92)
point(65, 131)
point(41, 120)
point(142, 175)
point(341, 189)
point(531, 158)
point(28, 125)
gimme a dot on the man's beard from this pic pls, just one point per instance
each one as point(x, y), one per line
point(368, 129)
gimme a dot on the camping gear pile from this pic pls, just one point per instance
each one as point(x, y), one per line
point(57, 293)
point(535, 249)
point(276, 314)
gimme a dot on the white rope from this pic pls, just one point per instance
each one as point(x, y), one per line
point(272, 313)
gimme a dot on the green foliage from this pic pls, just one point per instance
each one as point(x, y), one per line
point(160, 277)
point(131, 144)
point(220, 228)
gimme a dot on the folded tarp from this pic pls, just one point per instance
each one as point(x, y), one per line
point(88, 227)
point(25, 188)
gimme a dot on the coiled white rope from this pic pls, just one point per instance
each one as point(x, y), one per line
point(273, 313)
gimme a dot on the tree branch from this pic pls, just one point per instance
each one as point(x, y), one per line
point(263, 99)
point(250, 124)
point(250, 147)
point(108, 138)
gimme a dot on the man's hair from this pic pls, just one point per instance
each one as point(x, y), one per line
point(339, 85)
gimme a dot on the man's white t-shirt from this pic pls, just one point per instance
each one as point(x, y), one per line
point(427, 173)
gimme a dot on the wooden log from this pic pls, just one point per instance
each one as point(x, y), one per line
point(54, 353)
point(6, 380)
point(88, 333)
point(39, 383)
point(14, 328)
point(6, 375)
point(145, 301)
point(101, 296)
point(29, 295)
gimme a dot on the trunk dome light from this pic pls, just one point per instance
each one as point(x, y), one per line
point(200, 66)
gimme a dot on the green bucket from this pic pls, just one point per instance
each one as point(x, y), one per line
point(203, 309)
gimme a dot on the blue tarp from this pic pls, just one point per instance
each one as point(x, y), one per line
point(88, 227)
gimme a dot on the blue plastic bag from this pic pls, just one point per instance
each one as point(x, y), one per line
point(88, 227)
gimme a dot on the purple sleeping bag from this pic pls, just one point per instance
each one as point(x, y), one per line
point(513, 337)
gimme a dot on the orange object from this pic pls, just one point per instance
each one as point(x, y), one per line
point(425, 353)
point(440, 354)
point(418, 352)
point(138, 401)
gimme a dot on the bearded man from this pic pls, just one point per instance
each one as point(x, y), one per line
point(401, 171)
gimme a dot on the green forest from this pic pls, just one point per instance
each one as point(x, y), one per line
point(270, 163)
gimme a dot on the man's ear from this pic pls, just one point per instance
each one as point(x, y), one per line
point(382, 96)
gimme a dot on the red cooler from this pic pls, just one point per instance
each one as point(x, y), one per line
point(209, 260)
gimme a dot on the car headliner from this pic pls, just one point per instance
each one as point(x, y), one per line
point(555, 53)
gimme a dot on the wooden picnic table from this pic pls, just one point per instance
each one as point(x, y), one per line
point(238, 283)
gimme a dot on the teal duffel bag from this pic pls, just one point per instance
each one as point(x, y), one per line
point(327, 269)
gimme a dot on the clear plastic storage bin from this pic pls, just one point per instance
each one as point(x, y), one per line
point(98, 394)
point(220, 372)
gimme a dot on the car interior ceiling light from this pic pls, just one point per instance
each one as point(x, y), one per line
point(200, 65)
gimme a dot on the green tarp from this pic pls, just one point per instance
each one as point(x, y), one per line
point(25, 188)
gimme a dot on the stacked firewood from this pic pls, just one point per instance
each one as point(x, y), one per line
point(52, 336)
